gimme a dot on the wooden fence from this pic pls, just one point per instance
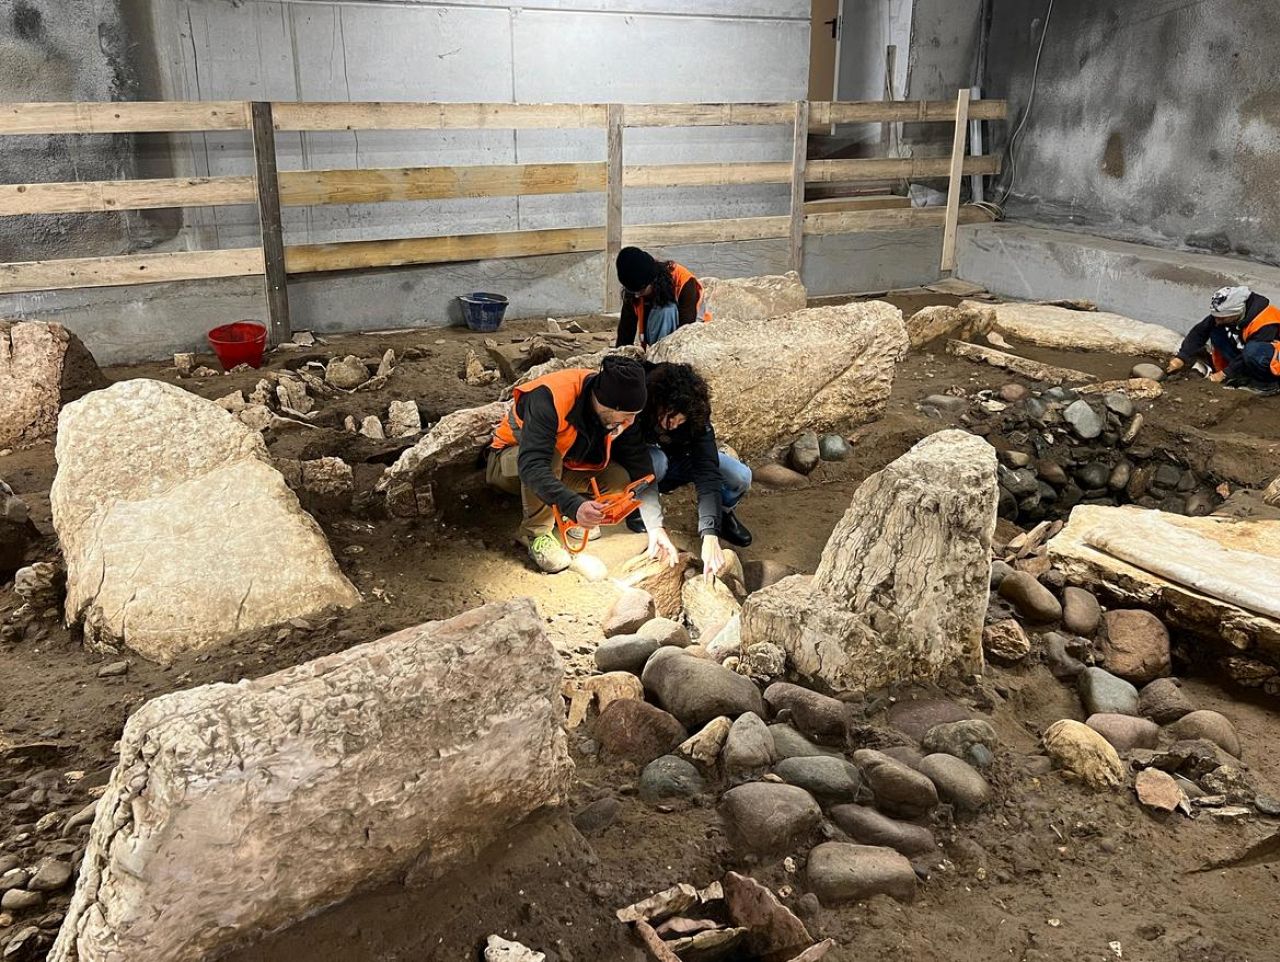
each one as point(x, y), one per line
point(270, 189)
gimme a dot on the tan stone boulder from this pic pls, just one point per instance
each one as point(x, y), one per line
point(178, 532)
point(456, 440)
point(938, 321)
point(42, 367)
point(772, 378)
point(901, 591)
point(743, 298)
point(1083, 752)
point(1060, 327)
point(327, 779)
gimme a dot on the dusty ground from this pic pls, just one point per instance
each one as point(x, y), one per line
point(1052, 873)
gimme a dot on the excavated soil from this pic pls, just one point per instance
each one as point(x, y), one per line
point(1051, 872)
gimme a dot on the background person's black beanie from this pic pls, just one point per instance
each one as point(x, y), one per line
point(621, 384)
point(636, 268)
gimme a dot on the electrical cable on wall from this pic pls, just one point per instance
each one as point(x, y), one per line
point(1012, 149)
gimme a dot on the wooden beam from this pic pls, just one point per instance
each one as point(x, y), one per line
point(894, 168)
point(434, 116)
point(375, 185)
point(90, 196)
point(128, 269)
point(799, 154)
point(832, 205)
point(825, 113)
point(276, 281)
point(613, 207)
point(958, 144)
point(706, 175)
point(707, 115)
point(355, 255)
point(132, 117)
point(857, 220)
point(707, 231)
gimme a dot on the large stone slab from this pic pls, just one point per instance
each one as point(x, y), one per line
point(235, 810)
point(902, 587)
point(177, 530)
point(772, 378)
point(457, 439)
point(743, 298)
point(42, 367)
point(1061, 327)
point(1218, 578)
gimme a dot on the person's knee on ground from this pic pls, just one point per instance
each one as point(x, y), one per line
point(736, 480)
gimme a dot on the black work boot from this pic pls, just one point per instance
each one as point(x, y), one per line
point(636, 523)
point(733, 531)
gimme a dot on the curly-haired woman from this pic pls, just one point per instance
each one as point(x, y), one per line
point(659, 297)
point(676, 422)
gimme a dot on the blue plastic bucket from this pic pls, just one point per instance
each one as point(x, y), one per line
point(483, 312)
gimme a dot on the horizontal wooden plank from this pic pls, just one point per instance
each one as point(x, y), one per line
point(706, 175)
point(102, 195)
point(825, 205)
point(825, 113)
point(375, 185)
point(858, 220)
point(433, 116)
point(894, 168)
point(706, 231)
point(707, 115)
point(353, 255)
point(133, 117)
point(128, 269)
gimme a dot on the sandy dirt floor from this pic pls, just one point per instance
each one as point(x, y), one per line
point(1051, 872)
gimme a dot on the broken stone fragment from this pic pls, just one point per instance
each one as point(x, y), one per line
point(498, 949)
point(1157, 789)
point(404, 420)
point(346, 373)
point(42, 367)
point(371, 427)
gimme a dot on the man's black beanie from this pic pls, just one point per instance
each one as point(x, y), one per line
point(636, 268)
point(621, 384)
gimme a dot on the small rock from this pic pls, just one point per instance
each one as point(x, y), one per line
point(346, 373)
point(813, 713)
point(805, 453)
point(1230, 781)
point(1084, 420)
point(957, 782)
point(789, 743)
point(665, 631)
point(1063, 665)
point(629, 613)
point(705, 747)
point(833, 447)
point(24, 943)
point(1118, 403)
point(839, 873)
point(598, 816)
point(1164, 701)
point(1080, 750)
point(113, 669)
point(999, 571)
point(779, 476)
point(1006, 642)
point(50, 875)
point(945, 403)
point(15, 878)
point(768, 818)
point(1081, 613)
point(1158, 790)
point(1104, 693)
point(1137, 645)
point(959, 738)
point(1030, 598)
point(498, 949)
point(826, 778)
point(915, 717)
point(1013, 393)
point(763, 662)
point(696, 690)
point(1210, 725)
point(371, 428)
point(898, 790)
point(749, 746)
point(1125, 732)
point(637, 731)
point(869, 827)
point(404, 420)
point(20, 900)
point(669, 777)
point(625, 653)
point(1152, 372)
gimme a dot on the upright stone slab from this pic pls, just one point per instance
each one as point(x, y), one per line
point(838, 363)
point(742, 298)
point(177, 530)
point(901, 590)
point(456, 439)
point(42, 367)
point(239, 809)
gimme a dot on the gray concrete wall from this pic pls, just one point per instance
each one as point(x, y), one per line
point(1148, 283)
point(1156, 122)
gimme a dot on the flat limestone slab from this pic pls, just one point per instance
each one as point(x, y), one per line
point(237, 810)
point(1060, 327)
point(770, 295)
point(1218, 578)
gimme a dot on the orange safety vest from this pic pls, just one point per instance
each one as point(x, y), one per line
point(1266, 317)
point(566, 389)
point(680, 276)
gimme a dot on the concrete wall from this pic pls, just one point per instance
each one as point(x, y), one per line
point(1156, 122)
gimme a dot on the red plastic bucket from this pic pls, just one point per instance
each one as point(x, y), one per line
point(240, 343)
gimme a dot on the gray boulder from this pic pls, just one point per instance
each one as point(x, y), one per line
point(696, 690)
point(957, 782)
point(839, 873)
point(1104, 693)
point(769, 819)
point(898, 790)
point(869, 827)
point(826, 778)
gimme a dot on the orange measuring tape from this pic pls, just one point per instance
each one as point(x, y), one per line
point(616, 508)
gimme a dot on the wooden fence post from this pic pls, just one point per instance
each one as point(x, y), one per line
point(613, 207)
point(276, 279)
point(954, 181)
point(799, 156)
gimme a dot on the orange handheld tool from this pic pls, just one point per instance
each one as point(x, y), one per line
point(616, 508)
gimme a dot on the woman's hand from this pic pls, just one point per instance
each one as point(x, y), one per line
point(713, 560)
point(661, 548)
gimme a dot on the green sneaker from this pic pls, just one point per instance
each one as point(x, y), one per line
point(549, 554)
